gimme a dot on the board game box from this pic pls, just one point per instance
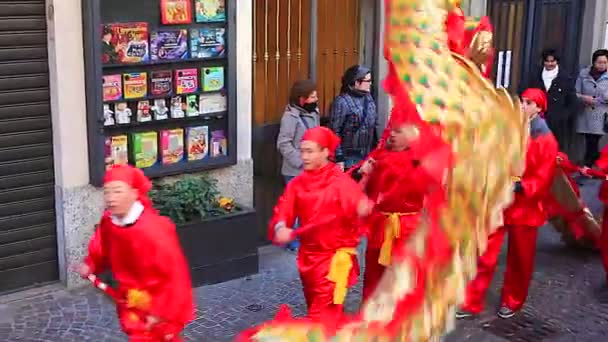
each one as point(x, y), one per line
point(197, 142)
point(112, 87)
point(213, 78)
point(176, 11)
point(117, 151)
point(172, 145)
point(125, 43)
point(136, 85)
point(212, 103)
point(161, 83)
point(207, 42)
point(169, 45)
point(145, 149)
point(186, 81)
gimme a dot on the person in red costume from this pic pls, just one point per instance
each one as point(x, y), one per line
point(601, 171)
point(328, 203)
point(398, 180)
point(521, 220)
point(142, 251)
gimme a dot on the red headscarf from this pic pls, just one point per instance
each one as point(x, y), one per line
point(134, 177)
point(538, 96)
point(323, 136)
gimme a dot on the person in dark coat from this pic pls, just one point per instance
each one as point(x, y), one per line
point(562, 102)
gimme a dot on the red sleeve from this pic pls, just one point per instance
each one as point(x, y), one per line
point(455, 31)
point(568, 166)
point(168, 277)
point(284, 211)
point(97, 258)
point(351, 195)
point(602, 162)
point(540, 165)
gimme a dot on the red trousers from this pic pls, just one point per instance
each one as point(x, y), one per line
point(520, 265)
point(133, 324)
point(373, 272)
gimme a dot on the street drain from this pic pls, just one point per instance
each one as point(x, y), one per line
point(254, 307)
point(523, 327)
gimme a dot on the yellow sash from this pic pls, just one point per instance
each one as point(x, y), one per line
point(339, 270)
point(392, 231)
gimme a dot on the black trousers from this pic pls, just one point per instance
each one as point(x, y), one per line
point(592, 150)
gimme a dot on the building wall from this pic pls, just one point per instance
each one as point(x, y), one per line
point(78, 204)
point(595, 18)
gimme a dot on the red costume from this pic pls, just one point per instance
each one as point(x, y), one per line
point(601, 172)
point(325, 200)
point(398, 184)
point(521, 220)
point(146, 259)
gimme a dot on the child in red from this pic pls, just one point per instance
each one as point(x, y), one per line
point(142, 250)
point(521, 220)
point(327, 202)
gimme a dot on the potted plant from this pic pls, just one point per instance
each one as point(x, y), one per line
point(217, 235)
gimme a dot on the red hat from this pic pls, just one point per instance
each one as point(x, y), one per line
point(134, 177)
point(323, 136)
point(538, 96)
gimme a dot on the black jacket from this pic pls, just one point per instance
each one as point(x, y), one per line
point(562, 104)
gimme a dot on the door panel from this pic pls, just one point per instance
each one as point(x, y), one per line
point(508, 17)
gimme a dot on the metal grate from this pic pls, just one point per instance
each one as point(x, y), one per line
point(523, 327)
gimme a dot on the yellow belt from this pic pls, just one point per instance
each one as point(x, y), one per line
point(515, 178)
point(392, 231)
point(339, 271)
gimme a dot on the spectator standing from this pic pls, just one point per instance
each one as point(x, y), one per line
point(562, 101)
point(592, 90)
point(353, 116)
point(300, 115)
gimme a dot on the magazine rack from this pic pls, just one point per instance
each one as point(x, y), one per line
point(202, 148)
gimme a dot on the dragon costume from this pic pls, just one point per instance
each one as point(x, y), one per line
point(418, 294)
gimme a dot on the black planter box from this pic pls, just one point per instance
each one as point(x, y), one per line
point(221, 248)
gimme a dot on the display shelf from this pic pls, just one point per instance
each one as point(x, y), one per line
point(164, 62)
point(164, 124)
point(168, 97)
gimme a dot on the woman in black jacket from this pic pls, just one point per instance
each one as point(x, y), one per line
point(562, 102)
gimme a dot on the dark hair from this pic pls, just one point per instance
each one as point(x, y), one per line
point(550, 53)
point(352, 75)
point(301, 88)
point(599, 53)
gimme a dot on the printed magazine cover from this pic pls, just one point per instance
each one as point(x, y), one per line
point(143, 111)
point(168, 45)
point(160, 109)
point(125, 43)
point(192, 105)
point(145, 149)
point(176, 11)
point(219, 144)
point(209, 11)
point(112, 87)
point(207, 42)
point(172, 144)
point(197, 142)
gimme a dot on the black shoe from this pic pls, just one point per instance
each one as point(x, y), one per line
point(505, 312)
point(463, 314)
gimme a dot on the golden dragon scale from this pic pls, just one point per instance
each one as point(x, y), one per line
point(488, 135)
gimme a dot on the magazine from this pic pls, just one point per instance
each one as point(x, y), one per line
point(219, 144)
point(161, 83)
point(145, 149)
point(160, 110)
point(117, 152)
point(177, 107)
point(123, 113)
point(213, 78)
point(186, 81)
point(212, 103)
point(136, 85)
point(143, 111)
point(192, 105)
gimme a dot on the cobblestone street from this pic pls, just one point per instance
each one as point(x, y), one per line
point(568, 302)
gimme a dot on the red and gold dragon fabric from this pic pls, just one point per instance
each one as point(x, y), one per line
point(439, 62)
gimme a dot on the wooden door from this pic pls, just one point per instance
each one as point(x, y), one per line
point(337, 46)
point(509, 20)
point(281, 45)
point(557, 25)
